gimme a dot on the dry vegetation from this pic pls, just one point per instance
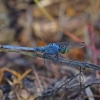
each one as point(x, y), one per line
point(39, 22)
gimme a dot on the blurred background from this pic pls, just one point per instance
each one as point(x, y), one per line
point(35, 23)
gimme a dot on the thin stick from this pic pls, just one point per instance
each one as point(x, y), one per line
point(70, 63)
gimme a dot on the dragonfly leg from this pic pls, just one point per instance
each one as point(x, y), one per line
point(57, 56)
point(62, 56)
point(46, 55)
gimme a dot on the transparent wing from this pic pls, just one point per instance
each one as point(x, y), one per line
point(71, 45)
point(68, 70)
point(53, 69)
point(60, 70)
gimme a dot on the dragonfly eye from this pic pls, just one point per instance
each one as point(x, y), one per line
point(63, 49)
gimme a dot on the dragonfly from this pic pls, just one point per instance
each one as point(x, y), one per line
point(52, 50)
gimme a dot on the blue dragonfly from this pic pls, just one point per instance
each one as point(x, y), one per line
point(53, 50)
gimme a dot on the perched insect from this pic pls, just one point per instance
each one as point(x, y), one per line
point(52, 49)
point(49, 49)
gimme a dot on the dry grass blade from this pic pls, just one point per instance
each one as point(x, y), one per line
point(18, 75)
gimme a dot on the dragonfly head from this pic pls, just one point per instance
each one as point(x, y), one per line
point(63, 49)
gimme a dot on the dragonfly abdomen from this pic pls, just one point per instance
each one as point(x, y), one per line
point(40, 49)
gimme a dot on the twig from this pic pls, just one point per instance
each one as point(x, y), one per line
point(70, 63)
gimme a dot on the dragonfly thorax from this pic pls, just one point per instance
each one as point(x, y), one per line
point(52, 49)
point(63, 49)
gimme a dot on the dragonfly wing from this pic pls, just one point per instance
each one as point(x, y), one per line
point(69, 70)
point(60, 70)
point(52, 68)
point(71, 45)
